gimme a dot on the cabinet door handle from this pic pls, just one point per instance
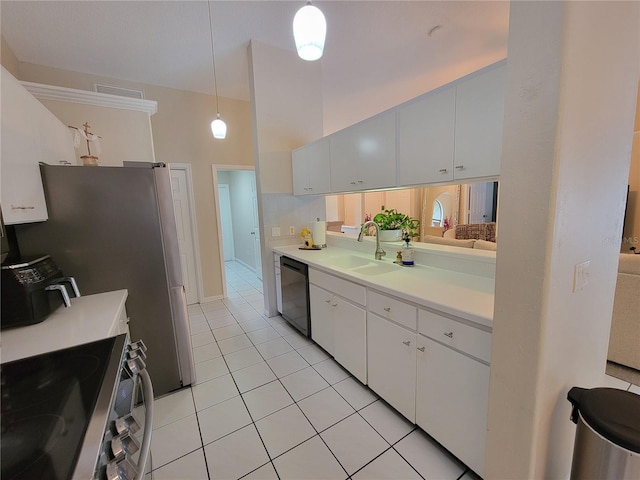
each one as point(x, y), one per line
point(387, 309)
point(407, 342)
point(352, 183)
point(450, 334)
point(310, 188)
point(334, 305)
point(443, 170)
point(327, 301)
point(360, 181)
point(22, 207)
point(459, 167)
point(421, 349)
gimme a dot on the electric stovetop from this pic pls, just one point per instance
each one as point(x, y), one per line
point(47, 402)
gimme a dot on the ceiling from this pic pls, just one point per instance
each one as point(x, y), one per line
point(167, 43)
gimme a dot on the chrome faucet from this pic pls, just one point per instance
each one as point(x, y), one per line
point(379, 251)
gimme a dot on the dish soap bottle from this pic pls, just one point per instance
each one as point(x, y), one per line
point(407, 252)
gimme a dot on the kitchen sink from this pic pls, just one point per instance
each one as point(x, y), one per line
point(362, 265)
point(376, 268)
point(349, 261)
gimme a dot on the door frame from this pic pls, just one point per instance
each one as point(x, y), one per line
point(216, 199)
point(186, 168)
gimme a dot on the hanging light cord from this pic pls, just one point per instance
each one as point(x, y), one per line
point(213, 59)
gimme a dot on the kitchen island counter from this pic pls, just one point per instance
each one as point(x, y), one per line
point(90, 318)
point(464, 295)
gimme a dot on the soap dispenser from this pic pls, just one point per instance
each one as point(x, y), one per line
point(407, 252)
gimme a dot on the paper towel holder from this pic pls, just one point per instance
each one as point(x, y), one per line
point(319, 230)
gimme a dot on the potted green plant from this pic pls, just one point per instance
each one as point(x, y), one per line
point(393, 225)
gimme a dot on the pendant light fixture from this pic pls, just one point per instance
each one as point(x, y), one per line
point(309, 32)
point(218, 127)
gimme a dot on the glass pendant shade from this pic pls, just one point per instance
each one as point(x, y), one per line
point(219, 128)
point(309, 32)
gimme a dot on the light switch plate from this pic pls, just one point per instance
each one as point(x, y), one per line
point(275, 231)
point(292, 231)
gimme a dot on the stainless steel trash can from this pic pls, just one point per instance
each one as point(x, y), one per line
point(607, 443)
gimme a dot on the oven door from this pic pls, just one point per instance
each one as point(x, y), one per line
point(122, 419)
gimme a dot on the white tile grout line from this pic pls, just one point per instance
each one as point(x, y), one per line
point(391, 446)
point(294, 403)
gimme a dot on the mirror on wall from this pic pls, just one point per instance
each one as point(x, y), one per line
point(437, 207)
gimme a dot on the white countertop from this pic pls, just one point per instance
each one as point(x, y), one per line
point(466, 296)
point(88, 319)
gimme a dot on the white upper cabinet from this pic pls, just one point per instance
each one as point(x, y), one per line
point(426, 138)
point(479, 124)
point(452, 133)
point(310, 165)
point(363, 156)
point(30, 134)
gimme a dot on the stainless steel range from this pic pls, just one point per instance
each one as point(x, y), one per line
point(70, 414)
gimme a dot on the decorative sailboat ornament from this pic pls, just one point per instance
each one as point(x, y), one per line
point(84, 134)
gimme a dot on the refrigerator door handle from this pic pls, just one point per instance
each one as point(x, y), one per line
point(183, 335)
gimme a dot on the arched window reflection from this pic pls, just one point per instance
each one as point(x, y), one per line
point(437, 216)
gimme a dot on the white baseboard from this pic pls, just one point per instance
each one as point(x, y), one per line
point(211, 299)
point(253, 269)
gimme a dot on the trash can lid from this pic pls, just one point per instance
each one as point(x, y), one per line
point(613, 413)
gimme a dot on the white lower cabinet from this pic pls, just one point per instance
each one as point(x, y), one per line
point(320, 303)
point(452, 398)
point(338, 321)
point(431, 368)
point(350, 338)
point(391, 355)
point(452, 394)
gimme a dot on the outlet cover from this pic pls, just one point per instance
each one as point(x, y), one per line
point(581, 274)
point(292, 231)
point(275, 231)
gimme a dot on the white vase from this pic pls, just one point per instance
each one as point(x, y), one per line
point(390, 235)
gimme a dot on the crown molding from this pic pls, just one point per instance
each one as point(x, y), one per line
point(85, 97)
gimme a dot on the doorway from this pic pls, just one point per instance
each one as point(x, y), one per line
point(483, 198)
point(183, 206)
point(238, 228)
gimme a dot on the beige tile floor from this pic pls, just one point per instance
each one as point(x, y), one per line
point(269, 404)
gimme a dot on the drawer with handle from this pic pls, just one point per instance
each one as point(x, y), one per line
point(463, 337)
point(349, 290)
point(392, 309)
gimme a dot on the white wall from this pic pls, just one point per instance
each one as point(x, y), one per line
point(286, 102)
point(126, 134)
point(570, 100)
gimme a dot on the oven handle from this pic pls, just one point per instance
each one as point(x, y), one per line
point(147, 391)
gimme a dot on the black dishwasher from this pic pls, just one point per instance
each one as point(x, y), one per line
point(294, 276)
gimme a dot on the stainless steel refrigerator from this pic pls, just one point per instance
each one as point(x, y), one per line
point(114, 228)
